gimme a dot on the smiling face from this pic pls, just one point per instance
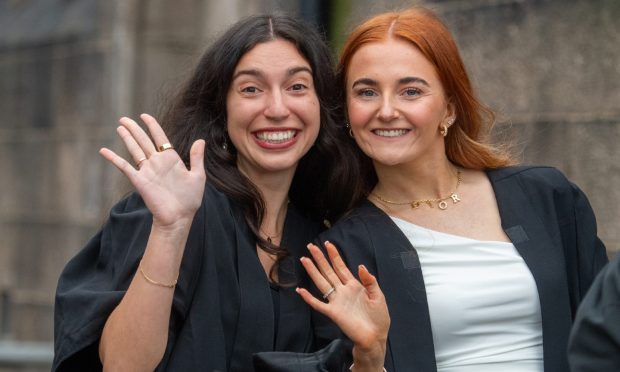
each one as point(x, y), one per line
point(272, 108)
point(396, 104)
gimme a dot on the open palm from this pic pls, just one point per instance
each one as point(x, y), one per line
point(357, 307)
point(170, 191)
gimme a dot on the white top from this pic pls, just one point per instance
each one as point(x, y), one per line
point(483, 303)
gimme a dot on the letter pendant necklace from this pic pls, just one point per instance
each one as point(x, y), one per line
point(442, 203)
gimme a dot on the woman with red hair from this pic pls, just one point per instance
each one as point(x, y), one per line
point(482, 262)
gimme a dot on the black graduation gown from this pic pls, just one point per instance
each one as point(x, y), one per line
point(222, 311)
point(595, 339)
point(552, 226)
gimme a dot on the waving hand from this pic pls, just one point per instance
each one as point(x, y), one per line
point(358, 308)
point(171, 191)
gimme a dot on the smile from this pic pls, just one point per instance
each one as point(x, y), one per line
point(390, 132)
point(276, 137)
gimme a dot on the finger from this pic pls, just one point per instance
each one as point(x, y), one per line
point(159, 137)
point(338, 264)
point(139, 135)
point(369, 282)
point(197, 156)
point(317, 278)
point(132, 146)
point(316, 304)
point(120, 163)
point(323, 265)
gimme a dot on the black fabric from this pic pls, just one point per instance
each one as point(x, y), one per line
point(335, 357)
point(222, 310)
point(275, 299)
point(548, 220)
point(595, 339)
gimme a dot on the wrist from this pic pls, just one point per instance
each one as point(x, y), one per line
point(369, 358)
point(173, 229)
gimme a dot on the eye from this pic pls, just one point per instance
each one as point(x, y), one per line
point(411, 92)
point(366, 93)
point(298, 87)
point(249, 89)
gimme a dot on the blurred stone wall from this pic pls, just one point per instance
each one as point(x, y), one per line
point(70, 68)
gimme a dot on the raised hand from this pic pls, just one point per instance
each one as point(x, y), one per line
point(357, 307)
point(171, 192)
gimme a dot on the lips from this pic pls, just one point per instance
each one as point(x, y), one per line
point(390, 132)
point(275, 137)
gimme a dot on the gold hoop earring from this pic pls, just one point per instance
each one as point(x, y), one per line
point(444, 127)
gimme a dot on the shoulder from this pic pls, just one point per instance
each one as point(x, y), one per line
point(610, 281)
point(358, 223)
point(538, 174)
point(131, 203)
point(535, 181)
point(356, 217)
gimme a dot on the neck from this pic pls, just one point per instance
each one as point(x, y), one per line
point(274, 188)
point(416, 181)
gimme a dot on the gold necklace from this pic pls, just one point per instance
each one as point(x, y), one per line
point(441, 202)
point(270, 238)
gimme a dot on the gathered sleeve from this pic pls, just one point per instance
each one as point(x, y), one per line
point(93, 283)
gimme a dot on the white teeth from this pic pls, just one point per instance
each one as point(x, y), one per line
point(276, 137)
point(390, 132)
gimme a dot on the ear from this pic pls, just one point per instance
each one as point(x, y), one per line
point(450, 112)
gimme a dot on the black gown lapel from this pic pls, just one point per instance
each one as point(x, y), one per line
point(255, 327)
point(544, 257)
point(400, 275)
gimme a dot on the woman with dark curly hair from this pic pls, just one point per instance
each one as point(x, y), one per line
point(196, 270)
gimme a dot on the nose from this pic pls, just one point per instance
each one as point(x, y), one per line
point(277, 108)
point(387, 111)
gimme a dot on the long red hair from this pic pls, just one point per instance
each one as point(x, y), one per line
point(467, 142)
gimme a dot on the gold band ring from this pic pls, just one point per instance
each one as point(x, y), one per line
point(328, 293)
point(165, 146)
point(140, 162)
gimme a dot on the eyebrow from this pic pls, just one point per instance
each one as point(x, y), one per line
point(405, 80)
point(290, 72)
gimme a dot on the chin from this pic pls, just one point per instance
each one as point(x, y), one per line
point(388, 159)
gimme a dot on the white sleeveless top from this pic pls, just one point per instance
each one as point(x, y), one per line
point(483, 303)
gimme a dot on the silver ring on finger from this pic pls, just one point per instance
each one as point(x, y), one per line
point(328, 293)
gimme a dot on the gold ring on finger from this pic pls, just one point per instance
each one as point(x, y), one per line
point(140, 162)
point(165, 146)
point(328, 293)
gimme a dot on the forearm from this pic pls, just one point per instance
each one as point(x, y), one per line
point(135, 335)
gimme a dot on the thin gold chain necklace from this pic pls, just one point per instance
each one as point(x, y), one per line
point(442, 203)
point(271, 238)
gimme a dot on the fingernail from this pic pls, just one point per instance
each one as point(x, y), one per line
point(327, 242)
